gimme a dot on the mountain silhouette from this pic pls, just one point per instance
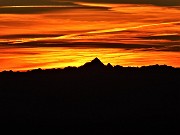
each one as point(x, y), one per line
point(93, 99)
point(94, 64)
point(109, 66)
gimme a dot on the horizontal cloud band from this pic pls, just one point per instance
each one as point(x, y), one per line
point(153, 2)
point(67, 2)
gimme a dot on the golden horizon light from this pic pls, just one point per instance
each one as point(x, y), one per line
point(72, 33)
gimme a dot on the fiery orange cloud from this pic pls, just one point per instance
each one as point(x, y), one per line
point(31, 58)
point(103, 22)
point(123, 24)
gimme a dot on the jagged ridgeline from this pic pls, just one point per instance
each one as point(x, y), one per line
point(97, 65)
point(92, 98)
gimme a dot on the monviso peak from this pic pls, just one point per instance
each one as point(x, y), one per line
point(95, 63)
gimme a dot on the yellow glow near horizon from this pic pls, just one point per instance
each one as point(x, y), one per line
point(20, 59)
point(126, 24)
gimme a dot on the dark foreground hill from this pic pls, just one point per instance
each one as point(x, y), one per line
point(91, 99)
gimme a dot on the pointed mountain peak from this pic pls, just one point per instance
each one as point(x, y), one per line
point(109, 65)
point(97, 61)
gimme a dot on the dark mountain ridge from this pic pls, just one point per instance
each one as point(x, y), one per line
point(92, 99)
point(96, 64)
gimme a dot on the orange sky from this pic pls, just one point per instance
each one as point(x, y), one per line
point(124, 34)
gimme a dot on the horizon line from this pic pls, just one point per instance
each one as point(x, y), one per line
point(60, 68)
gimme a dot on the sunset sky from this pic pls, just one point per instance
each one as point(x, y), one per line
point(60, 33)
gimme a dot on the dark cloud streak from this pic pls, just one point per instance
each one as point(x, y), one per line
point(21, 6)
point(60, 2)
point(148, 47)
point(166, 37)
point(31, 2)
point(82, 44)
point(28, 36)
point(41, 9)
point(27, 10)
point(153, 2)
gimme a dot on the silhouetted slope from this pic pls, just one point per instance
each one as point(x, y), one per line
point(86, 101)
point(94, 64)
